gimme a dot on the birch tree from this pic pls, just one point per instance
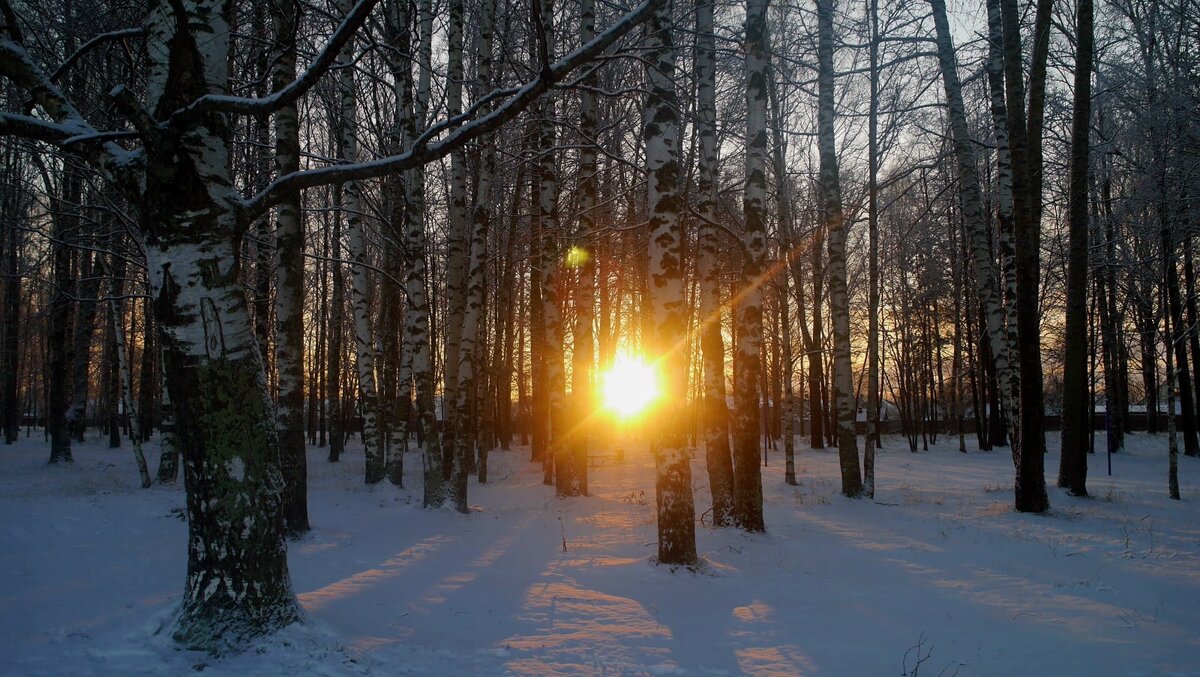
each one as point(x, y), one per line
point(457, 263)
point(831, 207)
point(748, 309)
point(972, 209)
point(584, 350)
point(559, 465)
point(718, 458)
point(289, 296)
point(473, 329)
point(360, 293)
point(412, 114)
point(1010, 396)
point(668, 321)
point(1030, 487)
point(122, 351)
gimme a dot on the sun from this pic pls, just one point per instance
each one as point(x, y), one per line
point(629, 387)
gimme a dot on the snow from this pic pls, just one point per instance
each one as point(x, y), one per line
point(938, 570)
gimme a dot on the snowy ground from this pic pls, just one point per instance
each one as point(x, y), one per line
point(938, 576)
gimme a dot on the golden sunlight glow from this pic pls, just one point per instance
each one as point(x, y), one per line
point(576, 257)
point(629, 387)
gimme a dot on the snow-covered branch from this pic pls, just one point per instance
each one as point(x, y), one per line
point(423, 150)
point(39, 129)
point(67, 126)
point(224, 103)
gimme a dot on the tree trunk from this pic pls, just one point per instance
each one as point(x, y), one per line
point(12, 323)
point(831, 199)
point(149, 376)
point(238, 585)
point(289, 294)
point(816, 345)
point(1169, 336)
point(789, 397)
point(168, 459)
point(88, 290)
point(1183, 379)
point(122, 354)
point(1030, 485)
point(973, 217)
point(1077, 406)
point(558, 466)
point(539, 397)
point(584, 265)
point(334, 352)
point(748, 306)
point(59, 324)
point(472, 346)
point(1193, 318)
point(111, 369)
point(458, 246)
point(360, 293)
point(668, 321)
point(417, 325)
point(873, 439)
point(1004, 239)
point(718, 459)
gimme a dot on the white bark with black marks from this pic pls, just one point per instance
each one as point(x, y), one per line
point(831, 203)
point(748, 306)
point(668, 320)
point(718, 455)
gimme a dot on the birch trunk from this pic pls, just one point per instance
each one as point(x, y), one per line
point(718, 458)
point(1030, 486)
point(1004, 238)
point(973, 217)
point(289, 295)
point(668, 320)
point(168, 458)
point(360, 292)
point(237, 585)
point(457, 267)
point(122, 351)
point(831, 194)
point(748, 308)
point(558, 465)
point(468, 403)
point(397, 382)
point(584, 265)
point(417, 331)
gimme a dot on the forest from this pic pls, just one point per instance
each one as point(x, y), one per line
point(726, 266)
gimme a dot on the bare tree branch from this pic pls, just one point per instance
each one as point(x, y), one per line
point(422, 151)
